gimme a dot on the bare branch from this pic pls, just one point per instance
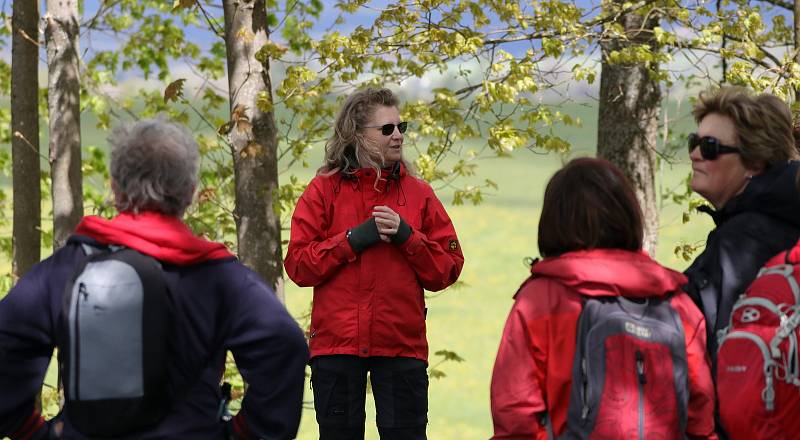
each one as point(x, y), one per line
point(210, 21)
point(19, 135)
point(92, 22)
point(780, 3)
point(599, 20)
point(28, 38)
point(692, 46)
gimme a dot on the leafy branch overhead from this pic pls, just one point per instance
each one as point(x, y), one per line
point(481, 78)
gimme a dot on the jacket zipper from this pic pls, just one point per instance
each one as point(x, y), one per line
point(642, 380)
point(77, 358)
point(585, 387)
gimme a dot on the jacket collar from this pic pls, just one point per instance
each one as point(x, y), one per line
point(368, 176)
point(394, 172)
point(160, 236)
point(772, 192)
point(610, 272)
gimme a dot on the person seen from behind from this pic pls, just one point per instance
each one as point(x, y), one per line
point(744, 164)
point(370, 238)
point(600, 340)
point(205, 301)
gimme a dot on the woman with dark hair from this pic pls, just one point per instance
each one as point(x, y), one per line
point(547, 377)
point(369, 237)
point(744, 163)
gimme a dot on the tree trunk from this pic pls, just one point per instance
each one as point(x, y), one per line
point(628, 120)
point(25, 136)
point(61, 34)
point(253, 141)
point(797, 43)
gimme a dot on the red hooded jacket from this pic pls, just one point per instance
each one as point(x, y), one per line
point(372, 303)
point(533, 369)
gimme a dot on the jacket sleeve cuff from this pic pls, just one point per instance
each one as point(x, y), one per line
point(413, 244)
point(343, 250)
point(403, 233)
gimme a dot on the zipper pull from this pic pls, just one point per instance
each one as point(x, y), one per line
point(640, 367)
point(768, 393)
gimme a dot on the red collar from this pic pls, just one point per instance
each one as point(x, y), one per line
point(160, 236)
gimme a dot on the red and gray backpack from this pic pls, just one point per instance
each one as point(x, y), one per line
point(630, 373)
point(758, 369)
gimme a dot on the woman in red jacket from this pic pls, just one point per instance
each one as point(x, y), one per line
point(650, 375)
point(369, 237)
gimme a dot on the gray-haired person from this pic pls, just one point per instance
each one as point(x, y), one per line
point(211, 304)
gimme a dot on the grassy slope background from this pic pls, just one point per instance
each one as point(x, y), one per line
point(496, 236)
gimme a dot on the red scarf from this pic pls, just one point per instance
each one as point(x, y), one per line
point(160, 236)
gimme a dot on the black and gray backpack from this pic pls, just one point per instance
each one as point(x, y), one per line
point(113, 353)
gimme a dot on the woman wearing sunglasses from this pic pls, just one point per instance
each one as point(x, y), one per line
point(743, 164)
point(369, 237)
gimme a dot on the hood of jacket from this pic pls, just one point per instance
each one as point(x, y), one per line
point(772, 192)
point(610, 272)
point(160, 236)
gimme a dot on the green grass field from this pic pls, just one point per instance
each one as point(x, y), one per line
point(496, 236)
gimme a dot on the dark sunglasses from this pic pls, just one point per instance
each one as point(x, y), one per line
point(710, 147)
point(388, 129)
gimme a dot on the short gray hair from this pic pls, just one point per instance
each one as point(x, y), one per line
point(154, 167)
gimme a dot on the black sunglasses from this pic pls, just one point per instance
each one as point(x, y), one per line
point(388, 129)
point(710, 147)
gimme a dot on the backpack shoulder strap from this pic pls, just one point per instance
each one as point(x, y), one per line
point(90, 249)
point(547, 423)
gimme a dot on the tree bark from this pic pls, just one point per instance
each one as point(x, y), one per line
point(27, 195)
point(797, 43)
point(627, 124)
point(61, 34)
point(253, 141)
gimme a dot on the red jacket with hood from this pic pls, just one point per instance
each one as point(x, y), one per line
point(533, 369)
point(372, 303)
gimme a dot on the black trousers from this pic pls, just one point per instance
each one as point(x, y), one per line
point(399, 385)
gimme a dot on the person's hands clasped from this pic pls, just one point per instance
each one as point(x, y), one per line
point(391, 227)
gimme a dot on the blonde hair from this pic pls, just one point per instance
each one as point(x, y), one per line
point(763, 123)
point(348, 145)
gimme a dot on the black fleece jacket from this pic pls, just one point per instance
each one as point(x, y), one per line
point(750, 229)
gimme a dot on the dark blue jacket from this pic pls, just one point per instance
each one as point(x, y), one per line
point(220, 305)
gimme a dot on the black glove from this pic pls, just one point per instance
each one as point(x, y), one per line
point(403, 233)
point(363, 235)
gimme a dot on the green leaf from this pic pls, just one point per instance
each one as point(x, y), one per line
point(174, 90)
point(183, 4)
point(449, 355)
